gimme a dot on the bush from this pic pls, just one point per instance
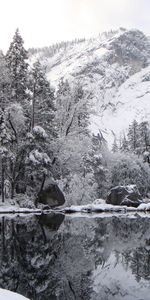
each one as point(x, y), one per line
point(129, 169)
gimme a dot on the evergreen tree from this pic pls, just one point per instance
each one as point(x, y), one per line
point(124, 144)
point(115, 146)
point(38, 162)
point(17, 147)
point(17, 63)
point(133, 137)
point(63, 106)
point(4, 82)
point(43, 107)
point(4, 143)
point(82, 111)
point(96, 164)
point(144, 136)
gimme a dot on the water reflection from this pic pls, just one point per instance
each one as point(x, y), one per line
point(55, 257)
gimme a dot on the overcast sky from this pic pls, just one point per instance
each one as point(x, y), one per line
point(43, 22)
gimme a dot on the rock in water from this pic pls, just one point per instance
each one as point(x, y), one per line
point(124, 195)
point(51, 196)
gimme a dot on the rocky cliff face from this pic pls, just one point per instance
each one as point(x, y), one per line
point(114, 69)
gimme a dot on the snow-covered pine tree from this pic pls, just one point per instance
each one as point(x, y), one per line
point(38, 162)
point(43, 106)
point(4, 82)
point(63, 107)
point(144, 136)
point(115, 145)
point(124, 144)
point(17, 148)
point(97, 164)
point(16, 58)
point(134, 137)
point(4, 143)
point(82, 110)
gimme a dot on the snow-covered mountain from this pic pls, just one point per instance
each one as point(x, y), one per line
point(115, 67)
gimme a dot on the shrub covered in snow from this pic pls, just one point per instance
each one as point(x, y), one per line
point(39, 131)
point(128, 169)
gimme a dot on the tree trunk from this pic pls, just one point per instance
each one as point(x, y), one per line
point(12, 189)
point(33, 109)
point(3, 236)
point(3, 179)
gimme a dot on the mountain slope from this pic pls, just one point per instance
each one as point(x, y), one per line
point(115, 67)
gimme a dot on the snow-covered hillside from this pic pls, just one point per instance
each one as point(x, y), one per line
point(115, 67)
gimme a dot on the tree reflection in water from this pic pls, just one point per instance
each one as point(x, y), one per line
point(56, 257)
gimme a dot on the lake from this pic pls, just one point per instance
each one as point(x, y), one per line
point(79, 256)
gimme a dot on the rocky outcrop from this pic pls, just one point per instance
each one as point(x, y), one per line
point(124, 195)
point(51, 196)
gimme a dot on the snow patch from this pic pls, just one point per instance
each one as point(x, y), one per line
point(7, 295)
point(40, 131)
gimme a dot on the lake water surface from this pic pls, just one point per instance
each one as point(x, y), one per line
point(82, 257)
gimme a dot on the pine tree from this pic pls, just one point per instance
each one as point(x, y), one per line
point(17, 63)
point(115, 146)
point(124, 144)
point(82, 110)
point(63, 106)
point(96, 163)
point(4, 82)
point(133, 137)
point(144, 134)
point(42, 100)
point(4, 142)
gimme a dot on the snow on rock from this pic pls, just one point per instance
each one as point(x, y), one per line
point(144, 206)
point(99, 201)
point(7, 295)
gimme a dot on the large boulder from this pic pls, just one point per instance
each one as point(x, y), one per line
point(51, 196)
point(124, 195)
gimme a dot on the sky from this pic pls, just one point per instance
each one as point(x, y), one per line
point(44, 22)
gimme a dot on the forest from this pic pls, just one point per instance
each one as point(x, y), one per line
point(45, 137)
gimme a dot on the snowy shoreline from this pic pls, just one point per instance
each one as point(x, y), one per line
point(89, 208)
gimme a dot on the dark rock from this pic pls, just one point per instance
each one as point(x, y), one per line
point(124, 195)
point(51, 196)
point(128, 202)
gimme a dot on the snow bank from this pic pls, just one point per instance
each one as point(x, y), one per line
point(7, 295)
point(94, 208)
point(99, 205)
point(17, 209)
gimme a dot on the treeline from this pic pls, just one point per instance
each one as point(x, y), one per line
point(53, 49)
point(137, 140)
